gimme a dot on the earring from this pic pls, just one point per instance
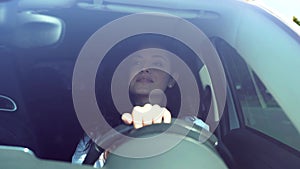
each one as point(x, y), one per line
point(170, 85)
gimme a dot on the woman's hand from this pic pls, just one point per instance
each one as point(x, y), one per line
point(147, 115)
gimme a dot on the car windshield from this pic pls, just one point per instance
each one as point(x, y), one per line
point(64, 62)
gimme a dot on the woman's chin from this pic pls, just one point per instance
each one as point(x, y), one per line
point(142, 91)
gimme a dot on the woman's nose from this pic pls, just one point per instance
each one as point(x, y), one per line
point(146, 70)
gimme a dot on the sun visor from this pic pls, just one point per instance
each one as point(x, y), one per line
point(189, 9)
point(45, 4)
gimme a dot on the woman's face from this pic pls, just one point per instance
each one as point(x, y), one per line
point(150, 77)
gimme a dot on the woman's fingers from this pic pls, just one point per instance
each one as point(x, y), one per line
point(147, 115)
point(166, 115)
point(137, 117)
point(127, 118)
point(157, 114)
point(157, 119)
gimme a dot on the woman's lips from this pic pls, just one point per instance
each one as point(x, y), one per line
point(144, 79)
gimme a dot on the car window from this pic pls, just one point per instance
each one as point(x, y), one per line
point(260, 109)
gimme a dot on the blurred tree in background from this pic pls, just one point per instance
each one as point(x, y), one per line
point(296, 20)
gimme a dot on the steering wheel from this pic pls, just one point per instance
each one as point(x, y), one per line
point(194, 141)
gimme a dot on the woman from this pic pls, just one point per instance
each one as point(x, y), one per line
point(152, 88)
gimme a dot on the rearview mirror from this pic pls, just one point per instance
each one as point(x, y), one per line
point(26, 30)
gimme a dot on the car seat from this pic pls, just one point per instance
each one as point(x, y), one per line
point(15, 126)
point(53, 116)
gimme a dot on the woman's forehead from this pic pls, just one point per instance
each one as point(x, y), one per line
point(153, 53)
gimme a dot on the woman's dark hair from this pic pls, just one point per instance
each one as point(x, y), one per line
point(126, 47)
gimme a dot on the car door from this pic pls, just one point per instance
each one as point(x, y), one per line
point(260, 134)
